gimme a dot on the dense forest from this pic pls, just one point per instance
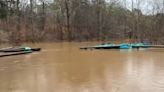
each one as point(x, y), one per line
point(81, 20)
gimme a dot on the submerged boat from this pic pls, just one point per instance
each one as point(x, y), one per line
point(14, 54)
point(102, 46)
point(123, 46)
point(19, 49)
point(12, 51)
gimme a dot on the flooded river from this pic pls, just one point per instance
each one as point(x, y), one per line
point(63, 67)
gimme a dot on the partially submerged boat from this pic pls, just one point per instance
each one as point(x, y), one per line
point(14, 54)
point(102, 46)
point(12, 51)
point(19, 49)
point(123, 46)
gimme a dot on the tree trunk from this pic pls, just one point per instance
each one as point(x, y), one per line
point(68, 20)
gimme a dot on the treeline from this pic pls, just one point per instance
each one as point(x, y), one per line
point(80, 20)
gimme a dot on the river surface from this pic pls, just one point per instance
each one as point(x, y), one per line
point(63, 67)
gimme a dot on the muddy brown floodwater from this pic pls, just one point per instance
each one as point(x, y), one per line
point(63, 67)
